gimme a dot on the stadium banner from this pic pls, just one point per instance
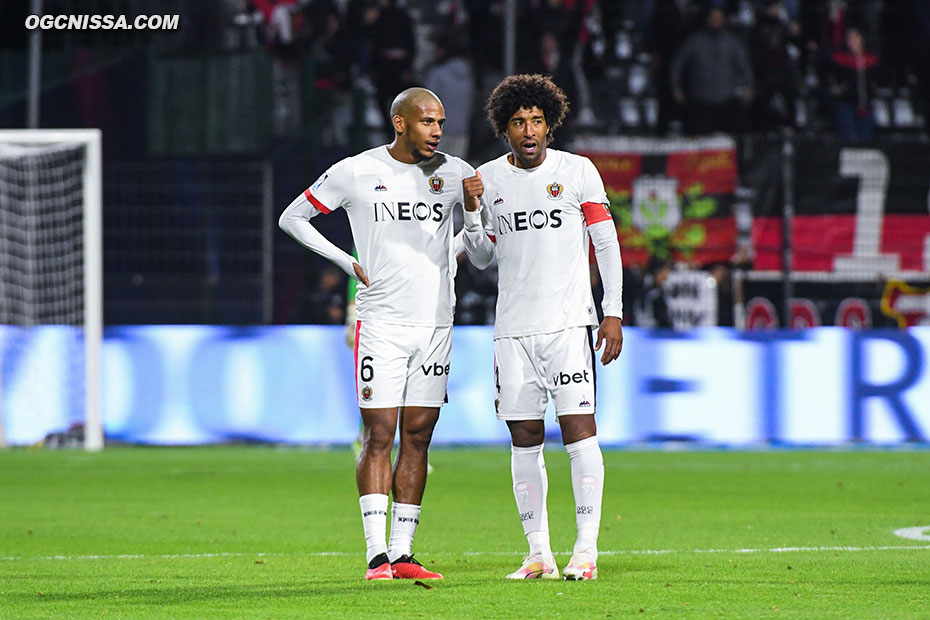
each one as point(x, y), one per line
point(692, 298)
point(295, 384)
point(860, 234)
point(670, 198)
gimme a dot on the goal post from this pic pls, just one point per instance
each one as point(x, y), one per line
point(24, 307)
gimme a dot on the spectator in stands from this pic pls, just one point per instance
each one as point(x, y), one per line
point(394, 47)
point(487, 51)
point(822, 28)
point(721, 274)
point(326, 40)
point(712, 78)
point(655, 312)
point(451, 79)
point(666, 23)
point(562, 36)
point(361, 17)
point(546, 41)
point(279, 20)
point(922, 59)
point(325, 303)
point(852, 73)
point(281, 29)
point(774, 54)
point(833, 27)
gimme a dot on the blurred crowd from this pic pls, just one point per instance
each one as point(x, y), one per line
point(852, 69)
point(629, 67)
point(644, 67)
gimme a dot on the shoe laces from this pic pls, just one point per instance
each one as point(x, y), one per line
point(407, 559)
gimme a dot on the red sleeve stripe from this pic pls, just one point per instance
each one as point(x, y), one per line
point(492, 238)
point(316, 203)
point(595, 212)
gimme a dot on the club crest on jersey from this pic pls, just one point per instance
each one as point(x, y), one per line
point(554, 191)
point(498, 200)
point(380, 187)
point(366, 393)
point(435, 184)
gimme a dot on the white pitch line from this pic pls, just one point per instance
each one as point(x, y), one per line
point(170, 556)
point(699, 551)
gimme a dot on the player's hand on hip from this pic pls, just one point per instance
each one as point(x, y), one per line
point(473, 189)
point(610, 334)
point(360, 274)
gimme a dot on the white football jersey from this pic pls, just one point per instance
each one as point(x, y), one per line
point(401, 219)
point(537, 219)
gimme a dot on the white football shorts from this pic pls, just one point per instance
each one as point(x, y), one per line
point(529, 368)
point(401, 365)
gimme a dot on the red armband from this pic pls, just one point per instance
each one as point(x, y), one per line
point(595, 212)
point(316, 203)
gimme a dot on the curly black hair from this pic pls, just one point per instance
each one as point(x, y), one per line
point(525, 91)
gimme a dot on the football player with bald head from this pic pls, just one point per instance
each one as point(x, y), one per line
point(399, 199)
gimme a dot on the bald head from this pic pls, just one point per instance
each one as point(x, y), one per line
point(417, 116)
point(410, 100)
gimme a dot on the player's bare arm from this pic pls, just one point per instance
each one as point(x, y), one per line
point(610, 335)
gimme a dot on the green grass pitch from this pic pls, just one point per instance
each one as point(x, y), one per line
point(262, 532)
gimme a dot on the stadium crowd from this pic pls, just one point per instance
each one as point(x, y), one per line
point(630, 67)
point(843, 68)
point(652, 67)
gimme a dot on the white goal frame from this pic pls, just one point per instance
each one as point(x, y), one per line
point(93, 264)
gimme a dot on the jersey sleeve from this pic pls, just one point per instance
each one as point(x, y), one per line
point(334, 187)
point(609, 264)
point(596, 209)
point(487, 216)
point(467, 169)
point(295, 221)
point(594, 202)
point(475, 242)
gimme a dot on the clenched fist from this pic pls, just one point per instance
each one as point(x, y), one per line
point(473, 188)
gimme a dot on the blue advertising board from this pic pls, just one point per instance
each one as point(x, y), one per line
point(717, 386)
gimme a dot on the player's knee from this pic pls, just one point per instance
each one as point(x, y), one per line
point(527, 433)
point(417, 439)
point(378, 439)
point(577, 427)
point(417, 425)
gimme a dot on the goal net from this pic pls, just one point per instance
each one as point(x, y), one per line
point(50, 285)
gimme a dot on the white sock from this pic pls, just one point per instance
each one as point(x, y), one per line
point(588, 484)
point(374, 520)
point(530, 485)
point(404, 521)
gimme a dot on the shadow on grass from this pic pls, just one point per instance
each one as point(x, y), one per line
point(170, 594)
